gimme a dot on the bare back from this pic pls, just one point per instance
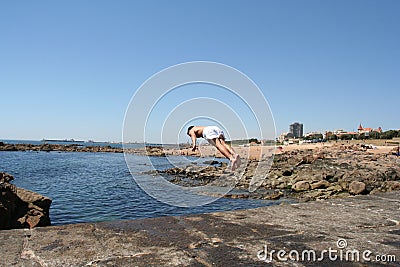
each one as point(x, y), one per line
point(198, 131)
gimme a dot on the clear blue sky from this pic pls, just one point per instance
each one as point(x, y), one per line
point(69, 68)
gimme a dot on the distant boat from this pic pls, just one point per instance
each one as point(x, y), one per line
point(64, 140)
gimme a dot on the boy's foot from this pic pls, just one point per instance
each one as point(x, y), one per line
point(235, 162)
point(238, 161)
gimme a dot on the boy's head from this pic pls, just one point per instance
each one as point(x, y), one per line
point(189, 128)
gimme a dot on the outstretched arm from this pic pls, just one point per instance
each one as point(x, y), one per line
point(193, 136)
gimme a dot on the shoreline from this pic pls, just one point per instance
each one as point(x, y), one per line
point(298, 173)
point(251, 151)
point(303, 172)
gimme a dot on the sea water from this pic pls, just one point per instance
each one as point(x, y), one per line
point(91, 187)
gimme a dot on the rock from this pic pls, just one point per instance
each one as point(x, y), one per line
point(392, 186)
point(21, 208)
point(274, 196)
point(301, 186)
point(306, 160)
point(344, 185)
point(315, 194)
point(356, 187)
point(320, 184)
point(319, 155)
point(335, 188)
point(157, 151)
point(341, 195)
point(5, 178)
point(212, 162)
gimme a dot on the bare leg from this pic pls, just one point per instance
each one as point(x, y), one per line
point(236, 158)
point(227, 151)
point(229, 148)
point(217, 143)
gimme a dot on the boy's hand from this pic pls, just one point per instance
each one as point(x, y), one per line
point(194, 148)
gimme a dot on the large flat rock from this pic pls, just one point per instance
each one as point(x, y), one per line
point(236, 238)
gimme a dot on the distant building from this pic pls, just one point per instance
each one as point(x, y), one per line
point(363, 130)
point(296, 129)
point(312, 133)
point(339, 131)
point(285, 136)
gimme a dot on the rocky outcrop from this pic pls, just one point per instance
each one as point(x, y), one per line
point(157, 151)
point(326, 172)
point(57, 147)
point(21, 208)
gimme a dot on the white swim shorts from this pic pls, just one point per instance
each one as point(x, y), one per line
point(211, 132)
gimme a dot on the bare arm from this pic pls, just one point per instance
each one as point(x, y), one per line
point(193, 136)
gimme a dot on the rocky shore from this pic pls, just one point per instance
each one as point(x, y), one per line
point(21, 208)
point(321, 173)
point(148, 150)
point(58, 147)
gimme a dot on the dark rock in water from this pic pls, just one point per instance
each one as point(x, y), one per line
point(212, 162)
point(357, 188)
point(21, 208)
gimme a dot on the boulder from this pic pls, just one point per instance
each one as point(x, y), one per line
point(301, 186)
point(21, 208)
point(357, 187)
point(320, 184)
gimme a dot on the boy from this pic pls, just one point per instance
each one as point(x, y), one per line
point(214, 136)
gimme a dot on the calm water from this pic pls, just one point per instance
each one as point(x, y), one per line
point(89, 187)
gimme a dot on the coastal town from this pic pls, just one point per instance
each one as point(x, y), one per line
point(296, 136)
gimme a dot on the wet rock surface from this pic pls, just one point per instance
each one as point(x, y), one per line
point(21, 208)
point(235, 238)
